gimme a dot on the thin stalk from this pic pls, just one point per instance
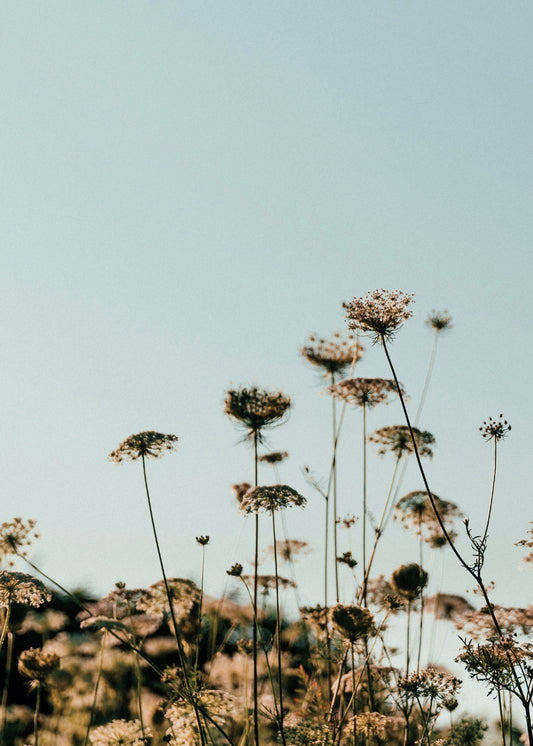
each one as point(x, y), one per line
point(334, 467)
point(428, 379)
point(407, 651)
point(5, 690)
point(256, 566)
point(364, 499)
point(36, 716)
point(200, 611)
point(278, 632)
point(96, 685)
point(5, 626)
point(421, 623)
point(485, 532)
point(354, 699)
point(502, 718)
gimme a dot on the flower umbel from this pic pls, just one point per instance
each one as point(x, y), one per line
point(20, 588)
point(256, 408)
point(332, 355)
point(495, 429)
point(15, 536)
point(148, 444)
point(120, 733)
point(363, 391)
point(271, 498)
point(397, 440)
point(439, 321)
point(379, 313)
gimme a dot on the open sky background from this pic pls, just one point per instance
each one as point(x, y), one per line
point(188, 190)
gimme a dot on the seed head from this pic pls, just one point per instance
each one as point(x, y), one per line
point(495, 429)
point(143, 445)
point(37, 664)
point(273, 458)
point(363, 391)
point(256, 408)
point(409, 580)
point(353, 622)
point(203, 540)
point(397, 440)
point(415, 511)
point(240, 490)
point(335, 355)
point(379, 313)
point(271, 498)
point(235, 570)
point(20, 588)
point(15, 536)
point(439, 321)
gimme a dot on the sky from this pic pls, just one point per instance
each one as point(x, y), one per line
point(189, 190)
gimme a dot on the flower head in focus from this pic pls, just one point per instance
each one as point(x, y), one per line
point(495, 429)
point(379, 313)
point(148, 444)
point(120, 733)
point(15, 536)
point(20, 588)
point(271, 498)
point(255, 408)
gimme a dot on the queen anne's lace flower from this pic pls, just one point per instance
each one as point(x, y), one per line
point(379, 313)
point(120, 733)
point(184, 731)
point(363, 392)
point(20, 588)
point(143, 445)
point(332, 355)
point(271, 498)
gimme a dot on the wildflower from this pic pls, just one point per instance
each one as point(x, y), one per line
point(353, 622)
point(528, 543)
point(415, 511)
point(347, 559)
point(37, 664)
point(478, 623)
point(300, 732)
point(235, 570)
point(240, 490)
point(348, 521)
point(15, 536)
point(271, 498)
point(143, 445)
point(409, 580)
point(372, 724)
point(495, 429)
point(273, 458)
point(184, 731)
point(20, 588)
point(380, 313)
point(429, 683)
point(185, 597)
point(335, 355)
point(203, 540)
point(397, 439)
point(120, 733)
point(492, 662)
point(439, 321)
point(363, 391)
point(256, 408)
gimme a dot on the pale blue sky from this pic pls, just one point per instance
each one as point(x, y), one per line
point(188, 190)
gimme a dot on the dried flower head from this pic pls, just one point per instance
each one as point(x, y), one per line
point(203, 540)
point(15, 536)
point(37, 664)
point(184, 731)
point(185, 596)
point(352, 622)
point(271, 498)
point(493, 662)
point(447, 605)
point(528, 543)
point(363, 392)
point(409, 580)
point(335, 355)
point(256, 408)
point(235, 570)
point(429, 683)
point(267, 583)
point(495, 429)
point(303, 732)
point(240, 490)
point(120, 733)
point(143, 445)
point(347, 559)
point(372, 724)
point(275, 457)
point(315, 616)
point(415, 511)
point(20, 588)
point(439, 321)
point(289, 549)
point(396, 439)
point(379, 313)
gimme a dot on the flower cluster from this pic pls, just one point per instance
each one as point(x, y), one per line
point(20, 588)
point(439, 321)
point(15, 536)
point(372, 724)
point(274, 457)
point(495, 429)
point(120, 733)
point(143, 445)
point(379, 313)
point(184, 725)
point(352, 622)
point(271, 498)
point(431, 684)
point(409, 581)
point(415, 511)
point(397, 439)
point(256, 408)
point(363, 392)
point(38, 664)
point(332, 355)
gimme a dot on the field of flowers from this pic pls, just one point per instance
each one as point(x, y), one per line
point(169, 664)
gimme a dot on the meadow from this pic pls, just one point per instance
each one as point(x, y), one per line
point(170, 664)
